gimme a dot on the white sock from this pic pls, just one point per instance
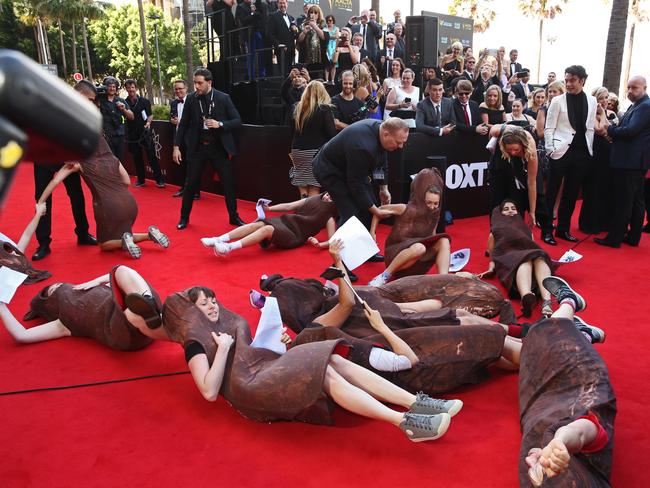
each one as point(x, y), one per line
point(224, 238)
point(234, 245)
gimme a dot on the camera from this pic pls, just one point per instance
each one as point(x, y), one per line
point(369, 104)
point(102, 91)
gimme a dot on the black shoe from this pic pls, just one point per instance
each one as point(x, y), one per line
point(41, 252)
point(646, 228)
point(627, 240)
point(197, 196)
point(182, 223)
point(160, 183)
point(138, 184)
point(547, 237)
point(235, 220)
point(146, 307)
point(179, 193)
point(605, 242)
point(377, 258)
point(86, 240)
point(565, 236)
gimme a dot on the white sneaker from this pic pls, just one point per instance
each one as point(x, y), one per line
point(221, 249)
point(378, 280)
point(209, 241)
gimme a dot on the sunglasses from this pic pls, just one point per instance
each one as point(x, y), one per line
point(463, 94)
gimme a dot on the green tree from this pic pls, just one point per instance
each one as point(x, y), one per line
point(15, 33)
point(480, 11)
point(541, 10)
point(187, 36)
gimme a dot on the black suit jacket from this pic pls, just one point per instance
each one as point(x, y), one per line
point(631, 138)
point(519, 92)
point(173, 112)
point(425, 118)
point(373, 34)
point(480, 86)
point(191, 123)
point(459, 113)
point(517, 67)
point(278, 32)
point(384, 68)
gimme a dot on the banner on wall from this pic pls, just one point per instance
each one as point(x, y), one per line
point(452, 29)
point(342, 10)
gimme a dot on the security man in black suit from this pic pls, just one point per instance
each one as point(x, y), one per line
point(206, 125)
point(282, 31)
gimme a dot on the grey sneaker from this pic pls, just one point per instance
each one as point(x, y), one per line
point(420, 428)
point(596, 334)
point(158, 237)
point(130, 246)
point(426, 405)
point(560, 289)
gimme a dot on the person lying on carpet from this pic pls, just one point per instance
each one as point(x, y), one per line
point(125, 315)
point(114, 207)
point(298, 385)
point(12, 255)
point(517, 259)
point(285, 232)
point(566, 402)
point(412, 247)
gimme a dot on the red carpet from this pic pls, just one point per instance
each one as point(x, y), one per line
point(160, 431)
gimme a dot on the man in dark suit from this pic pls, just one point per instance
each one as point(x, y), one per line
point(175, 113)
point(629, 159)
point(357, 40)
point(369, 29)
point(434, 115)
point(468, 119)
point(206, 129)
point(223, 20)
point(282, 32)
point(515, 67)
point(522, 89)
point(385, 57)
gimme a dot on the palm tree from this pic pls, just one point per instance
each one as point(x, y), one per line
point(638, 15)
point(480, 11)
point(145, 52)
point(32, 12)
point(542, 10)
point(615, 45)
point(88, 10)
point(188, 41)
point(59, 10)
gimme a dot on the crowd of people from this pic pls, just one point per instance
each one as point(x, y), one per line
point(548, 144)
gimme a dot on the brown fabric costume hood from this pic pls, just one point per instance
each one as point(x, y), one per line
point(13, 258)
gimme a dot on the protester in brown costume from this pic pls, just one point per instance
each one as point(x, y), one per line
point(265, 386)
point(566, 402)
point(517, 259)
point(284, 232)
point(95, 311)
point(12, 255)
point(400, 302)
point(413, 247)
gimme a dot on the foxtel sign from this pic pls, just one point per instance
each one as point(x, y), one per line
point(465, 175)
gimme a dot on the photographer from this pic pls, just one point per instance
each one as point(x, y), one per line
point(346, 105)
point(369, 29)
point(114, 112)
point(292, 88)
point(345, 55)
point(139, 135)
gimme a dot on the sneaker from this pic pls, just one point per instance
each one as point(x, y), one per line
point(209, 241)
point(560, 289)
point(425, 405)
point(596, 334)
point(131, 247)
point(221, 249)
point(158, 237)
point(257, 299)
point(420, 428)
point(378, 280)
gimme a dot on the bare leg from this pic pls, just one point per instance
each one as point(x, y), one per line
point(468, 318)
point(258, 236)
point(511, 350)
point(443, 255)
point(111, 245)
point(427, 305)
point(139, 237)
point(313, 191)
point(565, 311)
point(303, 191)
point(524, 278)
point(542, 271)
point(245, 230)
point(357, 400)
point(371, 383)
point(406, 258)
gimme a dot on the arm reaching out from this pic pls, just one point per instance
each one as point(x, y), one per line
point(45, 332)
point(341, 311)
point(396, 343)
point(93, 283)
point(208, 378)
point(41, 208)
point(60, 175)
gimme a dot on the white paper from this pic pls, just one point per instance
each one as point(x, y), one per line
point(259, 207)
point(10, 280)
point(269, 328)
point(358, 245)
point(7, 239)
point(569, 257)
point(144, 115)
point(459, 260)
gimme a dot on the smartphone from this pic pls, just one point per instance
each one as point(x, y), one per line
point(407, 100)
point(331, 273)
point(521, 74)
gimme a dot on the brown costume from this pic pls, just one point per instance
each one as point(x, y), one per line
point(114, 207)
point(513, 246)
point(301, 301)
point(448, 356)
point(293, 230)
point(417, 225)
point(260, 384)
point(562, 378)
point(97, 313)
point(13, 258)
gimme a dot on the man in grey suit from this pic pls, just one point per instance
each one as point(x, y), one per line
point(434, 115)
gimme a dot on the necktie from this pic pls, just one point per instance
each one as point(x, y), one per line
point(466, 114)
point(436, 109)
point(390, 53)
point(180, 100)
point(363, 33)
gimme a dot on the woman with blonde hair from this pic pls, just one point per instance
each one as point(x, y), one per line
point(552, 90)
point(365, 88)
point(535, 102)
point(492, 111)
point(452, 65)
point(313, 127)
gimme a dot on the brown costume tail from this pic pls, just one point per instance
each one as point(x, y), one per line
point(507, 313)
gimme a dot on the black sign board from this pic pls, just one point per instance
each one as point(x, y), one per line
point(452, 29)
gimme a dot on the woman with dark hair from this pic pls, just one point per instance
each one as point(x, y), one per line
point(395, 79)
point(333, 32)
point(412, 247)
point(312, 41)
point(124, 315)
point(517, 260)
point(517, 116)
point(298, 385)
point(345, 54)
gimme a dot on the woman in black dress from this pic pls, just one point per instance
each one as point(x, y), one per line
point(346, 54)
point(452, 66)
point(491, 110)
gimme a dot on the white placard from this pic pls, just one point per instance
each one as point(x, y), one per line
point(259, 207)
point(7, 239)
point(10, 280)
point(569, 257)
point(459, 260)
point(269, 328)
point(358, 245)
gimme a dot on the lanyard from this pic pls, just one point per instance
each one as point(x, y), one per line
point(210, 106)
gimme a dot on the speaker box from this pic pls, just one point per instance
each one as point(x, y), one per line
point(421, 41)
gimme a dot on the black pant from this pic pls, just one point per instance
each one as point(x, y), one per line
point(573, 168)
point(647, 199)
point(116, 143)
point(43, 174)
point(135, 148)
point(216, 155)
point(629, 205)
point(346, 205)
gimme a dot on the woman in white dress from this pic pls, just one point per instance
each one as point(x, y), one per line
point(404, 97)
